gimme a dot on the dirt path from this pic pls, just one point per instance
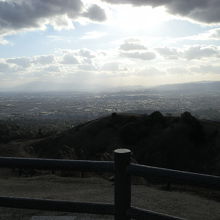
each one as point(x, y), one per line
point(18, 148)
point(181, 204)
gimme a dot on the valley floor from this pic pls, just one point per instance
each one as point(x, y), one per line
point(182, 204)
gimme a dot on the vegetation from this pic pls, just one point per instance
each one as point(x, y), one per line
point(28, 129)
point(183, 142)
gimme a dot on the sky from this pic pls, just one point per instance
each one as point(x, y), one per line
point(95, 45)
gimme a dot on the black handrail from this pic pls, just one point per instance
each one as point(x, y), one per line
point(123, 170)
point(175, 176)
point(78, 165)
point(57, 205)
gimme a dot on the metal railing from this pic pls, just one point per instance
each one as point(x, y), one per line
point(123, 170)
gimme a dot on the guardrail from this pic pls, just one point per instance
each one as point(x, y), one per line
point(123, 170)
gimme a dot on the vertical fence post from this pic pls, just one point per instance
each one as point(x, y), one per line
point(122, 184)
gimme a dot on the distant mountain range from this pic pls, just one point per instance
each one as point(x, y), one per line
point(191, 87)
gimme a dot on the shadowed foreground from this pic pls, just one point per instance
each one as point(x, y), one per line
point(180, 204)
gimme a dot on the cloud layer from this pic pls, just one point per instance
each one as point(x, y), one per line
point(141, 53)
point(32, 14)
point(85, 69)
point(206, 11)
point(190, 53)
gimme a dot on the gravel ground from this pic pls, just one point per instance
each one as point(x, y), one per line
point(180, 204)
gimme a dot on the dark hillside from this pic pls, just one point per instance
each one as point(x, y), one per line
point(183, 142)
point(8, 131)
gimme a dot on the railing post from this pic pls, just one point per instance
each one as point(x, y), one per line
point(122, 184)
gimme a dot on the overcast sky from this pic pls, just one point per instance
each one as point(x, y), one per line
point(100, 44)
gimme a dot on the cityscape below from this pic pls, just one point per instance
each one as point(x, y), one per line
point(71, 108)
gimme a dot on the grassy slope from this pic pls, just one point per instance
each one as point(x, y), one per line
point(99, 190)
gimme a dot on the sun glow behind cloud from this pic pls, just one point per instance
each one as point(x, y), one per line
point(106, 45)
point(130, 18)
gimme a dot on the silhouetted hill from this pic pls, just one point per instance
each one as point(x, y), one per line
point(183, 142)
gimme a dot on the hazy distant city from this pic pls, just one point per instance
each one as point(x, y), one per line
point(73, 108)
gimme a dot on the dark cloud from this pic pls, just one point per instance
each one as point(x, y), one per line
point(95, 13)
point(201, 10)
point(27, 14)
point(16, 15)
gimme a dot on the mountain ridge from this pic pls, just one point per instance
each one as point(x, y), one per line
point(59, 87)
point(183, 143)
